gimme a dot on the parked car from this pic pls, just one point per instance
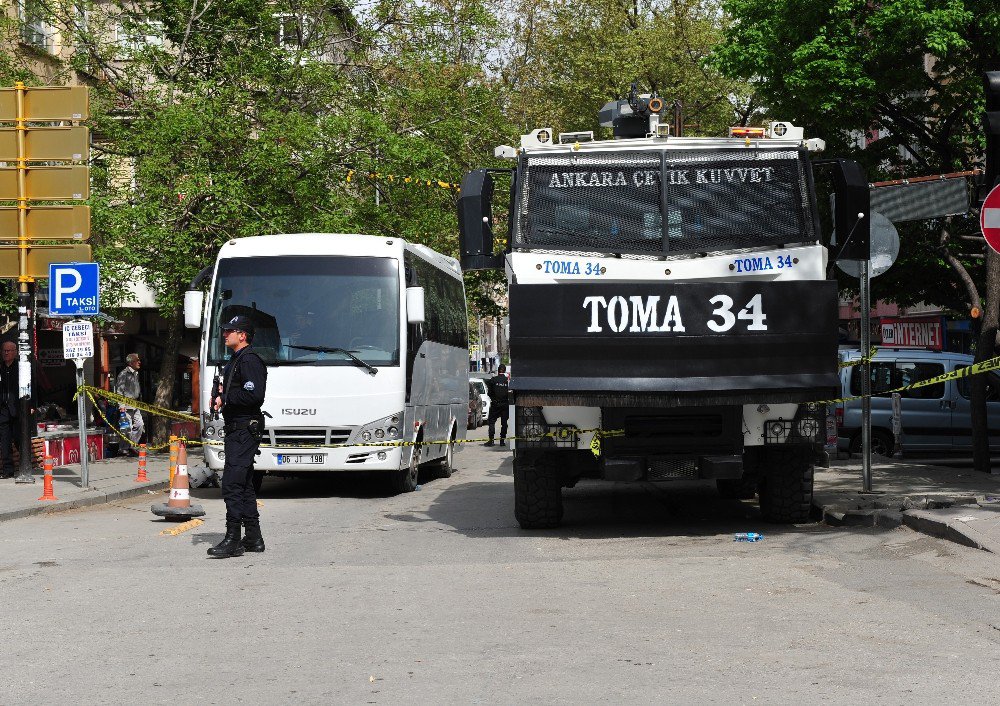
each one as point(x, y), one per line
point(475, 406)
point(934, 418)
point(480, 385)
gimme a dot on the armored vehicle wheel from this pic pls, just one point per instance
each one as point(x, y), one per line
point(537, 492)
point(786, 484)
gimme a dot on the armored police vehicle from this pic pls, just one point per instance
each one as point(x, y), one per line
point(669, 297)
point(366, 342)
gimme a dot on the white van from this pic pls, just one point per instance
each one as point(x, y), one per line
point(934, 418)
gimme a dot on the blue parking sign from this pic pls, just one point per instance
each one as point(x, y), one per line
point(73, 289)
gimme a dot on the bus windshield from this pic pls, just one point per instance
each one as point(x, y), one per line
point(304, 307)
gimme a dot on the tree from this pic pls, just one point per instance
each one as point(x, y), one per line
point(565, 61)
point(216, 120)
point(911, 70)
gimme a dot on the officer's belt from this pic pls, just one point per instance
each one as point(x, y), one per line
point(240, 424)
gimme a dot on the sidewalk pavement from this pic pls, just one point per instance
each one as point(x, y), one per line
point(958, 504)
point(110, 479)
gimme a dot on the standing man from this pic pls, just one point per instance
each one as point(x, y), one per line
point(497, 389)
point(239, 398)
point(10, 429)
point(127, 385)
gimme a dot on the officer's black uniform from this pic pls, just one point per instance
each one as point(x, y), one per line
point(10, 429)
point(244, 382)
point(497, 389)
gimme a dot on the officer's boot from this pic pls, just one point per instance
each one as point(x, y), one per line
point(253, 541)
point(230, 545)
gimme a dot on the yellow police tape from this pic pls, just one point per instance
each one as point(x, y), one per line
point(859, 361)
point(968, 371)
point(561, 434)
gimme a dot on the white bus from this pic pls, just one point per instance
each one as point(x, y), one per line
point(365, 340)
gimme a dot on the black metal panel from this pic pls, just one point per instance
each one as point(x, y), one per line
point(564, 344)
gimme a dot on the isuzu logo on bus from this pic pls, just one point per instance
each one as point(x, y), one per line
point(639, 314)
point(292, 411)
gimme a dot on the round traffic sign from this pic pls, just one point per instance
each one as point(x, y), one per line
point(884, 248)
point(989, 218)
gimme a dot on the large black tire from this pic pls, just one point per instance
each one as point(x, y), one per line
point(786, 485)
point(537, 493)
point(406, 480)
point(882, 443)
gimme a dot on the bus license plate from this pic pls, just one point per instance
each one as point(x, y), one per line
point(301, 458)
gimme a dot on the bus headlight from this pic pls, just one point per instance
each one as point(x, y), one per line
point(209, 431)
point(386, 427)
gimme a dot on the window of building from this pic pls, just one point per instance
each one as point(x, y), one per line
point(35, 28)
point(135, 36)
point(294, 31)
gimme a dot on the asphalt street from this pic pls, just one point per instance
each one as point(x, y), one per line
point(437, 596)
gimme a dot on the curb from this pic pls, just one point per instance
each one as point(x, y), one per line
point(944, 523)
point(97, 498)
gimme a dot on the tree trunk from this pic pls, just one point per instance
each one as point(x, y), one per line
point(985, 349)
point(168, 376)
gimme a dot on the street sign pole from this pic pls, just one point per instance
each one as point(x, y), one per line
point(78, 346)
point(25, 298)
point(81, 414)
point(866, 386)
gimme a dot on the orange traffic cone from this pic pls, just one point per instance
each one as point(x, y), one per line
point(141, 477)
point(173, 460)
point(179, 506)
point(47, 491)
point(180, 489)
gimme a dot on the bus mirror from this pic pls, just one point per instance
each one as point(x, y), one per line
point(475, 222)
point(414, 305)
point(194, 299)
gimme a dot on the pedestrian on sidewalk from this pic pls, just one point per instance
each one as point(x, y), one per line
point(10, 427)
point(497, 389)
point(240, 397)
point(127, 385)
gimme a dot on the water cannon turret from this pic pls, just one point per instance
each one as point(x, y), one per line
point(636, 116)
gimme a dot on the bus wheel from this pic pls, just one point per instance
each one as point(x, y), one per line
point(537, 492)
point(405, 481)
point(444, 466)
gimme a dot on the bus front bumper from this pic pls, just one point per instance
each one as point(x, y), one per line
point(304, 460)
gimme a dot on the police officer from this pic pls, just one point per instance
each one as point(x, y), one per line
point(239, 398)
point(496, 388)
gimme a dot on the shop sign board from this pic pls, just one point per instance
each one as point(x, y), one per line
point(913, 333)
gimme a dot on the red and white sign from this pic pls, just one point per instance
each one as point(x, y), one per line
point(989, 218)
point(909, 333)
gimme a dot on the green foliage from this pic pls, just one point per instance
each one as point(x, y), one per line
point(911, 69)
point(567, 60)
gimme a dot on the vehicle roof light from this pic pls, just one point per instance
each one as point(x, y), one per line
point(747, 132)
